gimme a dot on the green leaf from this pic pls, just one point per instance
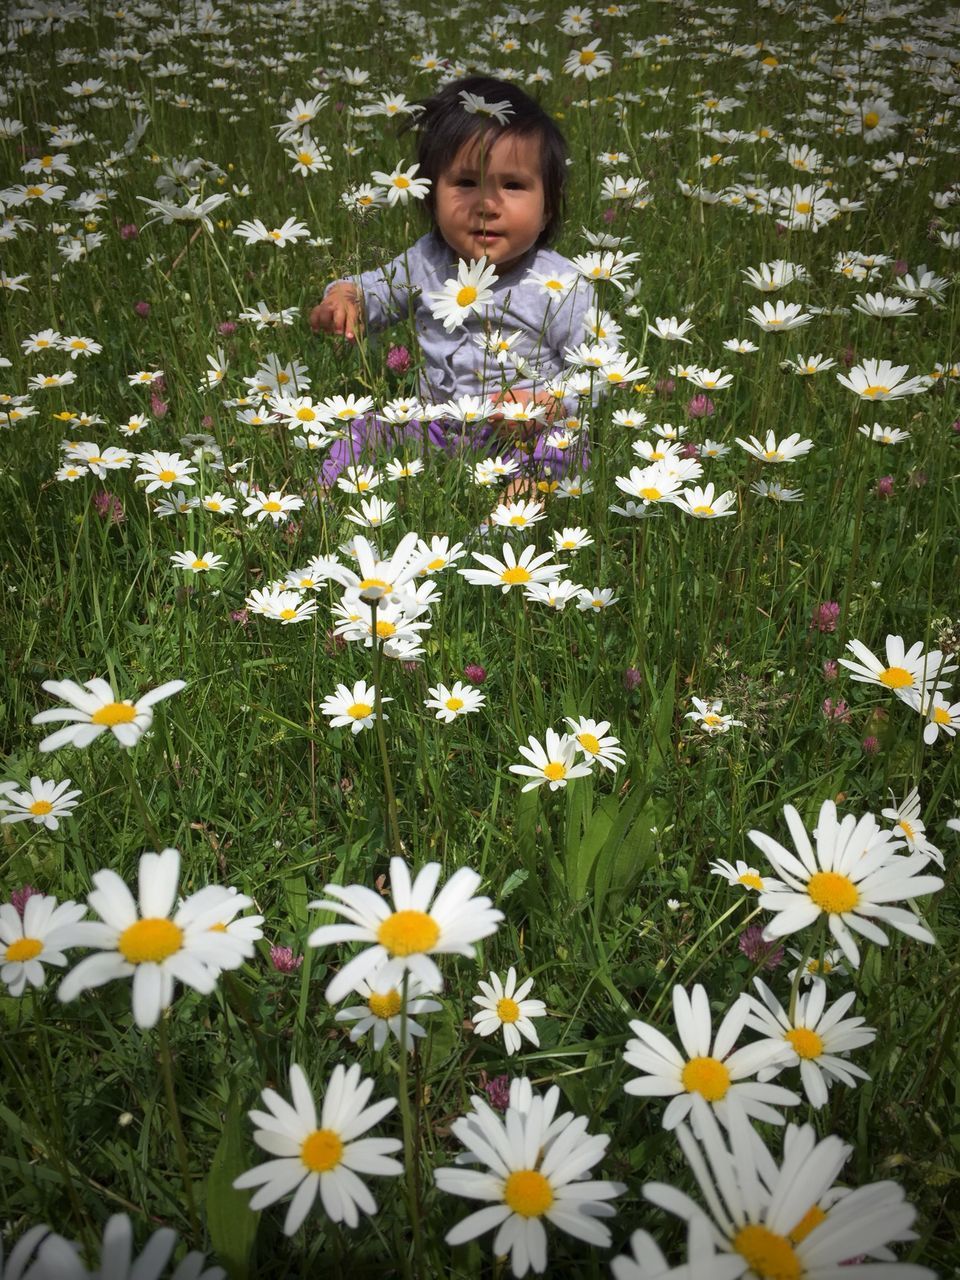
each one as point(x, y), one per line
point(232, 1226)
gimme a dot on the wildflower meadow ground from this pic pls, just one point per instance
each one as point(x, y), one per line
point(460, 867)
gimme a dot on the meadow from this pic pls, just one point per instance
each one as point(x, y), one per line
point(289, 772)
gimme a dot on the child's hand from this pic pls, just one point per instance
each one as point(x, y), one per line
point(338, 313)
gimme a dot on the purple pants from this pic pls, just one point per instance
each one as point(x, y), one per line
point(366, 435)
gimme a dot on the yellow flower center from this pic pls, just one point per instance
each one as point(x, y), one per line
point(385, 630)
point(555, 770)
point(466, 295)
point(555, 285)
point(275, 235)
point(614, 376)
point(321, 1151)
point(833, 892)
point(703, 511)
point(305, 158)
point(907, 829)
point(114, 713)
point(23, 949)
point(288, 614)
point(306, 414)
point(385, 1006)
point(401, 182)
point(453, 704)
point(508, 1010)
point(712, 719)
point(751, 880)
point(651, 495)
point(770, 61)
point(166, 475)
point(896, 678)
point(706, 1076)
point(809, 1222)
point(940, 715)
point(272, 506)
point(198, 565)
point(368, 584)
point(358, 710)
point(803, 206)
point(406, 933)
point(41, 807)
point(212, 505)
point(434, 565)
point(589, 742)
point(33, 192)
point(770, 1255)
point(871, 120)
point(150, 941)
point(528, 1193)
point(806, 1042)
point(586, 57)
point(873, 391)
point(515, 576)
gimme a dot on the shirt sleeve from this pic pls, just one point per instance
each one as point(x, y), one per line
point(386, 292)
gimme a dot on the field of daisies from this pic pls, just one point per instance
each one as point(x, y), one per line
point(451, 871)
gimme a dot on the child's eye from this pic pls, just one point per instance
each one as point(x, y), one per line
point(464, 182)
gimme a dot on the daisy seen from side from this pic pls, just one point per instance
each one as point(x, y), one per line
point(383, 1012)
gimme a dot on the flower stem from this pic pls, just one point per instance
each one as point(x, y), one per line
point(393, 820)
point(410, 1140)
point(166, 1070)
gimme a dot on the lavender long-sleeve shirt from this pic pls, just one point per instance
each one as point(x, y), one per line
point(453, 363)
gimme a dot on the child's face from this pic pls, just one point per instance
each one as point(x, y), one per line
point(490, 200)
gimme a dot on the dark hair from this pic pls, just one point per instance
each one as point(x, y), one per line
point(444, 126)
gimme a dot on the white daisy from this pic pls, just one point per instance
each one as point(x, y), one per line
point(352, 707)
point(324, 1157)
point(406, 937)
point(37, 938)
point(45, 803)
point(529, 1179)
point(94, 708)
point(710, 1066)
point(451, 703)
point(142, 941)
point(465, 295)
point(504, 1006)
point(553, 763)
point(815, 1034)
point(383, 1012)
point(588, 735)
point(851, 877)
point(906, 671)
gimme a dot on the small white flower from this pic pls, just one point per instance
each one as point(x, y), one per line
point(504, 1006)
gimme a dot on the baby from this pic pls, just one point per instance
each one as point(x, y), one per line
point(496, 191)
